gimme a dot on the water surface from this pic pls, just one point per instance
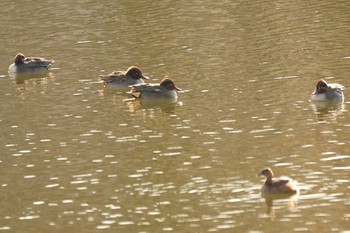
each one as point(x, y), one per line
point(79, 158)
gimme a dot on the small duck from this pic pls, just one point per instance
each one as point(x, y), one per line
point(283, 185)
point(166, 89)
point(29, 64)
point(131, 76)
point(328, 92)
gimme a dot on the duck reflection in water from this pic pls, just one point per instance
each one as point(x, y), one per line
point(165, 105)
point(38, 77)
point(279, 201)
point(278, 190)
point(328, 111)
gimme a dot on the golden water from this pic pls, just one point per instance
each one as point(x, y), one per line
point(78, 158)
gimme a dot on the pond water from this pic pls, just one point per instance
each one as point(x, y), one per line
point(76, 157)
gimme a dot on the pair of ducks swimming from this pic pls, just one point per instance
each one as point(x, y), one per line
point(132, 77)
point(166, 89)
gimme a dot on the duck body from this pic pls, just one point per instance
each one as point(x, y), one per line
point(24, 64)
point(166, 89)
point(123, 79)
point(282, 185)
point(324, 91)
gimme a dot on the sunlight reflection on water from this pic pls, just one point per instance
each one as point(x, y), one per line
point(78, 156)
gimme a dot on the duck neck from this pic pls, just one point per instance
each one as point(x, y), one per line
point(268, 179)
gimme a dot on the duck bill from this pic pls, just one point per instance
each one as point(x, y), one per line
point(178, 89)
point(145, 77)
point(339, 91)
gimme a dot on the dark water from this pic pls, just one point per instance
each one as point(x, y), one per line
point(76, 157)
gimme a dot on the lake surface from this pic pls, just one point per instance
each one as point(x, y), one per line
point(76, 157)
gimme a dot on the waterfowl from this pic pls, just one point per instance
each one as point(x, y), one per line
point(29, 64)
point(282, 185)
point(166, 89)
point(131, 76)
point(328, 92)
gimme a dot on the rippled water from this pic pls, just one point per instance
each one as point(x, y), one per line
point(76, 157)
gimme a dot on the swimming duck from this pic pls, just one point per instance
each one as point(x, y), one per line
point(29, 64)
point(131, 76)
point(166, 89)
point(328, 92)
point(282, 185)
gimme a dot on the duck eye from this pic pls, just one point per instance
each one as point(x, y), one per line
point(135, 73)
point(323, 85)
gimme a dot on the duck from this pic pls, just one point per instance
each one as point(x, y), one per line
point(166, 89)
point(282, 185)
point(133, 75)
point(29, 64)
point(328, 92)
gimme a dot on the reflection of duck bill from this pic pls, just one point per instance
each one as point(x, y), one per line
point(136, 94)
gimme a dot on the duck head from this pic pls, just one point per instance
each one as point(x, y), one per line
point(267, 172)
point(168, 84)
point(135, 73)
point(321, 87)
point(19, 59)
